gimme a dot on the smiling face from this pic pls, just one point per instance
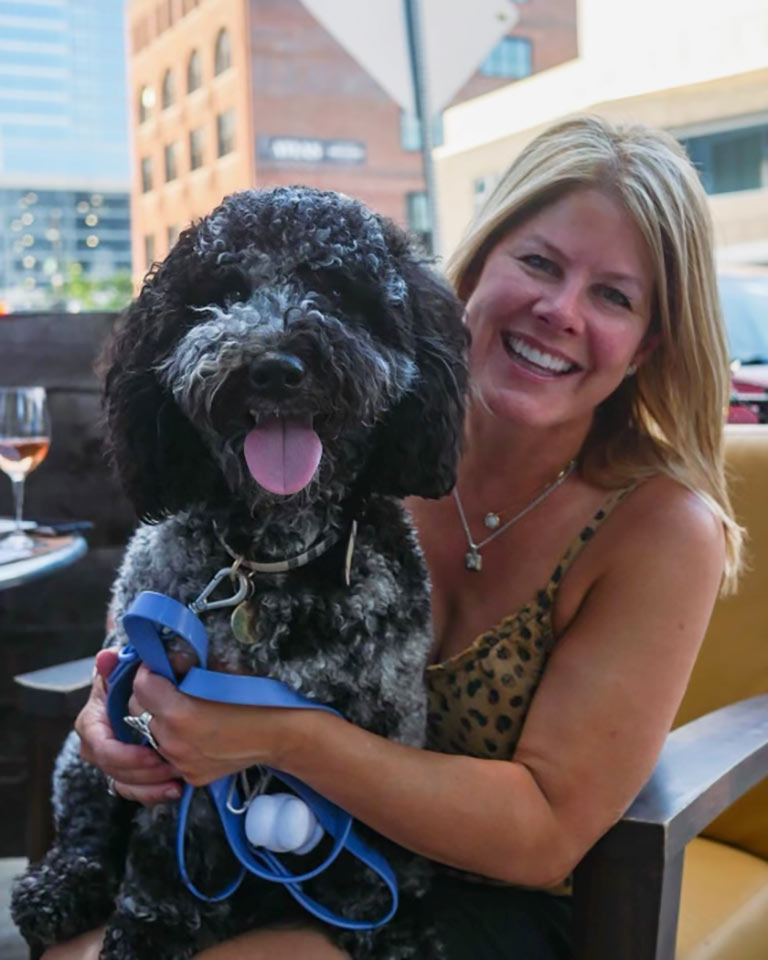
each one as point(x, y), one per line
point(561, 309)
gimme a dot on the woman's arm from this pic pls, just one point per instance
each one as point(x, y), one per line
point(591, 739)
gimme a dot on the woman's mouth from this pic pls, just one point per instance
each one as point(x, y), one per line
point(536, 360)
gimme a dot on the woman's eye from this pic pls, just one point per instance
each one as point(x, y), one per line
point(538, 262)
point(612, 295)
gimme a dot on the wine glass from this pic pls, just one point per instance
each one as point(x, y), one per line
point(25, 435)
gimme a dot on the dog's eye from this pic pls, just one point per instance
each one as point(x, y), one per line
point(238, 292)
point(233, 288)
point(354, 291)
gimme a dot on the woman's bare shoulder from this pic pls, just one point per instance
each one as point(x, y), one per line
point(666, 513)
point(660, 529)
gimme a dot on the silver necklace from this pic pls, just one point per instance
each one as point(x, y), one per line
point(472, 558)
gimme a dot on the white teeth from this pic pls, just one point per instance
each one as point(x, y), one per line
point(545, 360)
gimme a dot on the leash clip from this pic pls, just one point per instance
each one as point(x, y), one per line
point(203, 604)
point(249, 792)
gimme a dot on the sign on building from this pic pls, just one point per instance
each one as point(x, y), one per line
point(310, 150)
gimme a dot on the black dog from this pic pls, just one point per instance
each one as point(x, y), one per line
point(291, 370)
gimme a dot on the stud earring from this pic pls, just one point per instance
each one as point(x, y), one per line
point(631, 371)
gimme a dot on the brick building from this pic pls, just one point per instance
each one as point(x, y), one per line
point(227, 94)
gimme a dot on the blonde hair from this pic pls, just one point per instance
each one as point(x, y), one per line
point(668, 418)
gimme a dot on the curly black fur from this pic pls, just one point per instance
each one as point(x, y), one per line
point(377, 342)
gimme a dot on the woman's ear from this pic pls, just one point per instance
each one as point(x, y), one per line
point(649, 343)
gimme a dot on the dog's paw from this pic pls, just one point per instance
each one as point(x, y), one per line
point(57, 899)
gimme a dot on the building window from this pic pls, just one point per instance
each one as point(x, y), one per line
point(146, 103)
point(511, 57)
point(737, 163)
point(417, 217)
point(171, 165)
point(149, 250)
point(225, 132)
point(410, 131)
point(195, 148)
point(171, 235)
point(731, 160)
point(146, 174)
point(194, 72)
point(169, 91)
point(222, 56)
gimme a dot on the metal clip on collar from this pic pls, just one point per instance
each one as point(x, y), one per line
point(202, 604)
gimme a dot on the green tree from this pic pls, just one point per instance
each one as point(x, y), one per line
point(81, 292)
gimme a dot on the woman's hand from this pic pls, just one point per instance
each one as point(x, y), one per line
point(203, 740)
point(140, 774)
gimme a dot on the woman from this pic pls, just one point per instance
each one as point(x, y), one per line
point(591, 500)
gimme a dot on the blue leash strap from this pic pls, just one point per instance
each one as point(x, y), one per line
point(150, 615)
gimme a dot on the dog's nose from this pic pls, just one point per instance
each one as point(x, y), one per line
point(277, 373)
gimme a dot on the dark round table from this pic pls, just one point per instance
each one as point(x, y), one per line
point(62, 552)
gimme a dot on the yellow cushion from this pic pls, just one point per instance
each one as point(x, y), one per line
point(733, 663)
point(724, 904)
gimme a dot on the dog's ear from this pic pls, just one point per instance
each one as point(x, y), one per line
point(419, 442)
point(160, 460)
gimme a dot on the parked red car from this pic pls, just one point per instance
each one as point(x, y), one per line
point(744, 298)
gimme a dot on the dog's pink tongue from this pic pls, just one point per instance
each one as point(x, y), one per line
point(282, 455)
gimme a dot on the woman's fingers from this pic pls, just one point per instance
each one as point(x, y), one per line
point(130, 764)
point(172, 715)
point(106, 661)
point(149, 794)
point(140, 774)
point(154, 693)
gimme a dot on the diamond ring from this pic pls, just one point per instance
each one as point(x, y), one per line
point(111, 787)
point(141, 725)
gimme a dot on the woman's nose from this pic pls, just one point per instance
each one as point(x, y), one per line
point(561, 307)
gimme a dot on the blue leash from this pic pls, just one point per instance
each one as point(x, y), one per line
point(153, 613)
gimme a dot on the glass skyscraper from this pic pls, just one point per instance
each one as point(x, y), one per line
point(64, 155)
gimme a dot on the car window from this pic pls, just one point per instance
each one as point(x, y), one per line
point(745, 309)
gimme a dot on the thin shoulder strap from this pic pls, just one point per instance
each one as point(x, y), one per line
point(577, 544)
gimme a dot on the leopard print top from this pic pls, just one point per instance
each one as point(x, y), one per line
point(479, 698)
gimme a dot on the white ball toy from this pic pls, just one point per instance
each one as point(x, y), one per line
point(282, 823)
